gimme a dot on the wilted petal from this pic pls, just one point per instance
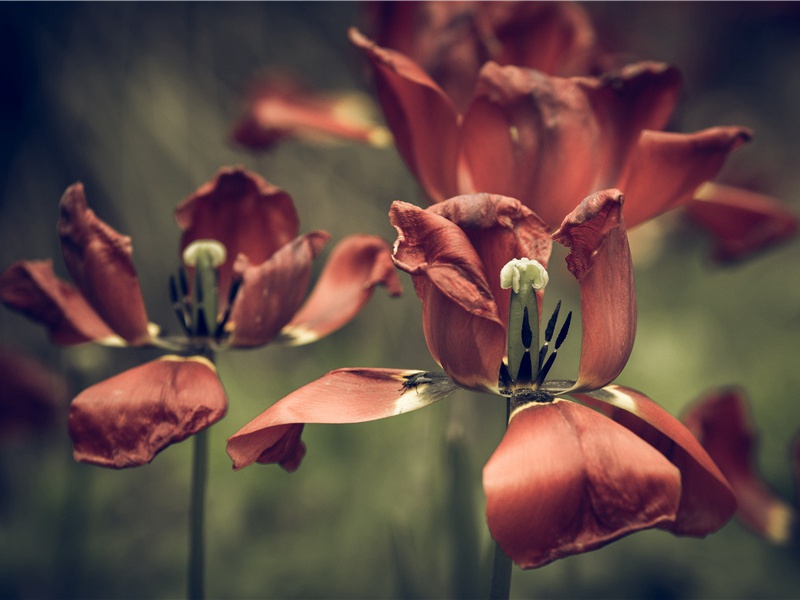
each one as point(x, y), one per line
point(566, 480)
point(271, 292)
point(460, 317)
point(341, 396)
point(722, 423)
point(98, 259)
point(707, 501)
point(242, 211)
point(742, 222)
point(128, 419)
point(32, 288)
point(356, 265)
point(280, 108)
point(600, 259)
point(422, 118)
point(665, 169)
point(33, 398)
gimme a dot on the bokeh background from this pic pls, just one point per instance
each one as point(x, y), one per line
point(137, 101)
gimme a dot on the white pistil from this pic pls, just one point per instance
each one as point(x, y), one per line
point(212, 249)
point(523, 269)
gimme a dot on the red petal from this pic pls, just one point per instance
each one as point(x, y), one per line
point(245, 213)
point(280, 108)
point(721, 421)
point(341, 396)
point(566, 480)
point(32, 288)
point(742, 222)
point(356, 265)
point(600, 260)
point(422, 118)
point(460, 317)
point(98, 259)
point(706, 498)
point(666, 168)
point(128, 419)
point(271, 292)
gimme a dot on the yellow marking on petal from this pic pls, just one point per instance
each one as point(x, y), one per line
point(522, 407)
point(620, 399)
point(513, 131)
point(780, 523)
point(380, 137)
point(296, 336)
point(199, 359)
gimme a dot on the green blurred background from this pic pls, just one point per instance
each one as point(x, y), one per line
point(136, 100)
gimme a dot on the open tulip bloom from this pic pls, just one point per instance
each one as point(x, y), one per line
point(582, 462)
point(243, 284)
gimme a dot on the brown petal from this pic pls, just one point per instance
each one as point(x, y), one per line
point(341, 396)
point(722, 423)
point(460, 316)
point(32, 288)
point(356, 265)
point(600, 260)
point(666, 168)
point(128, 419)
point(422, 118)
point(280, 108)
point(566, 480)
point(242, 211)
point(742, 222)
point(98, 259)
point(707, 501)
point(271, 292)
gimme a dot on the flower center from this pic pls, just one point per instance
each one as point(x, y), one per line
point(197, 311)
point(525, 373)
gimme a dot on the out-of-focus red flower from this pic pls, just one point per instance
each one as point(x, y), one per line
point(32, 397)
point(240, 239)
point(279, 107)
point(721, 420)
point(565, 479)
point(547, 139)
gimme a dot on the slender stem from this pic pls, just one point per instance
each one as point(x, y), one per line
point(501, 564)
point(196, 588)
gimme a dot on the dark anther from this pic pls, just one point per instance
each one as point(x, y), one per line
point(545, 369)
point(551, 324)
point(527, 334)
point(201, 329)
point(562, 335)
point(504, 380)
point(179, 305)
point(525, 373)
point(184, 282)
point(235, 285)
point(544, 366)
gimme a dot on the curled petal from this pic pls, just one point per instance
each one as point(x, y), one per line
point(242, 211)
point(341, 396)
point(707, 501)
point(460, 317)
point(356, 265)
point(665, 169)
point(566, 480)
point(742, 222)
point(600, 259)
point(280, 108)
point(32, 288)
point(98, 259)
point(128, 419)
point(271, 292)
point(422, 118)
point(722, 423)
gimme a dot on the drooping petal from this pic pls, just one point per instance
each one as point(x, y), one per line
point(722, 423)
point(32, 288)
point(98, 259)
point(280, 108)
point(742, 222)
point(707, 501)
point(356, 266)
point(422, 118)
point(566, 480)
point(128, 419)
point(460, 317)
point(341, 396)
point(665, 169)
point(600, 259)
point(272, 292)
point(242, 211)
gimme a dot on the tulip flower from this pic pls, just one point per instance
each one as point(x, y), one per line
point(582, 462)
point(243, 284)
point(722, 422)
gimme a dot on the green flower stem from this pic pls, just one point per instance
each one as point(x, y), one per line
point(196, 587)
point(501, 564)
